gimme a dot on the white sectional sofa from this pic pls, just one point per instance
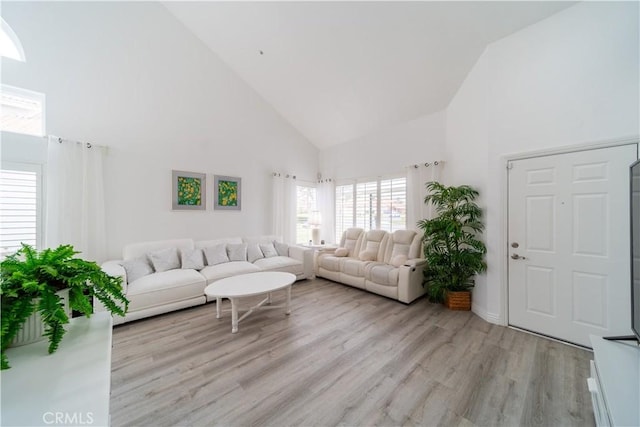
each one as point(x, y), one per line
point(384, 263)
point(168, 275)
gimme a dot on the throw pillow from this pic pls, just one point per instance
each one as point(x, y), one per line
point(268, 250)
point(192, 258)
point(254, 253)
point(281, 248)
point(237, 252)
point(216, 254)
point(367, 256)
point(340, 252)
point(136, 268)
point(398, 260)
point(164, 259)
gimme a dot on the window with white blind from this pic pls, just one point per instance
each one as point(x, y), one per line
point(344, 209)
point(393, 204)
point(306, 204)
point(379, 204)
point(366, 210)
point(20, 206)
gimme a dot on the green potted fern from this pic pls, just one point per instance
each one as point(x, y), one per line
point(452, 249)
point(31, 282)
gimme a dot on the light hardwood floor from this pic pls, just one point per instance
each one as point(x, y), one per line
point(343, 357)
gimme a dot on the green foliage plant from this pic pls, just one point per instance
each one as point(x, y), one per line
point(452, 249)
point(29, 282)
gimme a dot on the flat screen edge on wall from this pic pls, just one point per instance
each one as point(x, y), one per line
point(634, 203)
point(634, 250)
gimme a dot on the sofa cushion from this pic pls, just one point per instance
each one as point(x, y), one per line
point(281, 248)
point(280, 263)
point(398, 260)
point(233, 268)
point(137, 268)
point(353, 267)
point(400, 249)
point(165, 287)
point(350, 246)
point(382, 274)
point(192, 259)
point(254, 253)
point(341, 252)
point(216, 254)
point(350, 239)
point(269, 250)
point(164, 259)
point(367, 255)
point(403, 242)
point(330, 262)
point(237, 252)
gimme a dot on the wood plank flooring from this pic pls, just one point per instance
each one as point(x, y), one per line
point(343, 357)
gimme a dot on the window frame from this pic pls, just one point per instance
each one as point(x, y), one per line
point(315, 188)
point(38, 169)
point(29, 95)
point(354, 185)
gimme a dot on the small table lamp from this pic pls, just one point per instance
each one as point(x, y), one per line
point(314, 222)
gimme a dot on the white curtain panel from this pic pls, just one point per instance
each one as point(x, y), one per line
point(326, 206)
point(284, 207)
point(417, 177)
point(75, 208)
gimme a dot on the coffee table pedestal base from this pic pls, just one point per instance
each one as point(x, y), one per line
point(234, 308)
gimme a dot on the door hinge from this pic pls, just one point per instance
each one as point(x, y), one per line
point(509, 165)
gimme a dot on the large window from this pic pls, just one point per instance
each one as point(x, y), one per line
point(20, 206)
point(393, 204)
point(306, 208)
point(372, 204)
point(366, 208)
point(344, 209)
point(21, 111)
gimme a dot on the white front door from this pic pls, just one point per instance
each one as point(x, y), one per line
point(569, 243)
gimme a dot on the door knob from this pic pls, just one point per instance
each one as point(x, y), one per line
point(516, 256)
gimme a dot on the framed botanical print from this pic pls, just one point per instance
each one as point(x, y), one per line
point(227, 192)
point(189, 190)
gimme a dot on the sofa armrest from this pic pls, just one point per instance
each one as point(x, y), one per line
point(329, 251)
point(113, 268)
point(410, 280)
point(415, 262)
point(304, 255)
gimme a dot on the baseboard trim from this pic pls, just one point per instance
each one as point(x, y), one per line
point(485, 315)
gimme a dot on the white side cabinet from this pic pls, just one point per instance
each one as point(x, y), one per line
point(615, 382)
point(69, 387)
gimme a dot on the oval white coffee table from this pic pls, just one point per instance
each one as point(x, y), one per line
point(246, 285)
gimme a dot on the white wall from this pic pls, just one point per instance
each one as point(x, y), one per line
point(387, 151)
point(468, 151)
point(131, 77)
point(570, 79)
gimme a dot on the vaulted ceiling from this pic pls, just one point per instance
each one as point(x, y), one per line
point(340, 70)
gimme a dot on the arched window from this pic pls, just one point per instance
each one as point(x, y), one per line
point(10, 46)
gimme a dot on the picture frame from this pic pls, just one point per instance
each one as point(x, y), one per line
point(227, 193)
point(189, 191)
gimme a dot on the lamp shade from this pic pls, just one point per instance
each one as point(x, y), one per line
point(314, 219)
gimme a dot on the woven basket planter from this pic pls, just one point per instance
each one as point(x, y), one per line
point(458, 300)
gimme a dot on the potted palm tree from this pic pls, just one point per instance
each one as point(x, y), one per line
point(31, 285)
point(452, 249)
